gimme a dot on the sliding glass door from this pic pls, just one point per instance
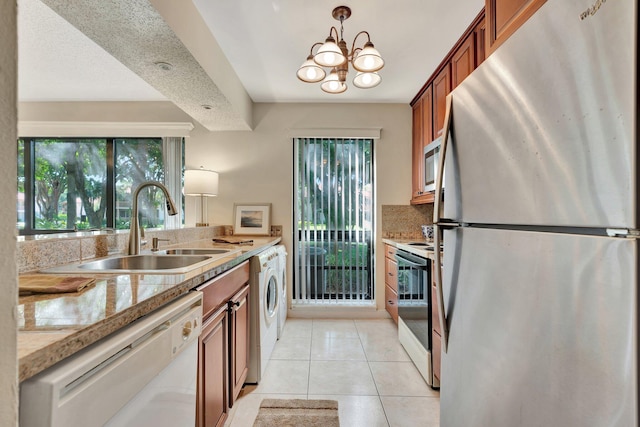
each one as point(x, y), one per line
point(334, 220)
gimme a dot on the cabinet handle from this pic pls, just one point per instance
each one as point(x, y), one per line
point(390, 302)
point(390, 274)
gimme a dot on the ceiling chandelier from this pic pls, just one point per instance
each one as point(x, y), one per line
point(366, 60)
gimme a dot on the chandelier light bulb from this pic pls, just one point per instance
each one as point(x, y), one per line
point(366, 80)
point(310, 72)
point(368, 59)
point(329, 54)
point(332, 83)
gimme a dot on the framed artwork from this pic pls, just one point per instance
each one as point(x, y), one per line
point(252, 218)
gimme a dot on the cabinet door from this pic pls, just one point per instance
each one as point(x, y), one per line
point(441, 88)
point(212, 400)
point(239, 343)
point(391, 273)
point(427, 122)
point(463, 61)
point(504, 17)
point(417, 163)
point(436, 355)
point(480, 32)
point(391, 302)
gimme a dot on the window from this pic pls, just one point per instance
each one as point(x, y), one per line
point(68, 184)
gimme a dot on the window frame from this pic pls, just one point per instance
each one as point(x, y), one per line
point(29, 180)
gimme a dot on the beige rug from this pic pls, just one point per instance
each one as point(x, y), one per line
point(297, 413)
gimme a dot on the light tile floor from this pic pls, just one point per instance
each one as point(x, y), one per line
point(359, 363)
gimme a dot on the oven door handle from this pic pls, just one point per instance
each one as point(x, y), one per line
point(412, 263)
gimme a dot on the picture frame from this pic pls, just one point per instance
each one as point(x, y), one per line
point(252, 219)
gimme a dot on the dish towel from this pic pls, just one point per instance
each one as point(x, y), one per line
point(43, 284)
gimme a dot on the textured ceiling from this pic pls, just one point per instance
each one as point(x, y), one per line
point(260, 42)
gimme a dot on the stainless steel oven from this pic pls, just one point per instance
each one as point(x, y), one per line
point(414, 310)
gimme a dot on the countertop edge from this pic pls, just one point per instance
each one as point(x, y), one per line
point(58, 349)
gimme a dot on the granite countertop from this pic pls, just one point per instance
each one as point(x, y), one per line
point(405, 244)
point(52, 327)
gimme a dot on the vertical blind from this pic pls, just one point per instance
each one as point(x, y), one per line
point(333, 215)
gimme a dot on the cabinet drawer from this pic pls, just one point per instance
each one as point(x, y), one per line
point(219, 290)
point(435, 313)
point(391, 303)
point(436, 355)
point(391, 274)
point(390, 251)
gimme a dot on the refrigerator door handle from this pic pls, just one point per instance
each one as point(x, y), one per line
point(437, 223)
point(437, 207)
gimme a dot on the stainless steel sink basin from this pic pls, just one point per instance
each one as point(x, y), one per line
point(147, 264)
point(144, 262)
point(200, 251)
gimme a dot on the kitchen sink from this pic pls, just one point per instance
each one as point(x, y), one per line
point(144, 262)
point(148, 264)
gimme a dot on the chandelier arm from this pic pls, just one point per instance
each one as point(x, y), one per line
point(353, 45)
point(314, 45)
point(336, 31)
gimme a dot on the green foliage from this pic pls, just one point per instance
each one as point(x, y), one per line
point(70, 180)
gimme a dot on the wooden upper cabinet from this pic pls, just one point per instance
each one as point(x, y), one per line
point(480, 32)
point(416, 154)
point(504, 17)
point(441, 88)
point(463, 61)
point(427, 121)
point(422, 136)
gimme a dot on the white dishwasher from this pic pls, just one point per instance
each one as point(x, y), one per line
point(141, 375)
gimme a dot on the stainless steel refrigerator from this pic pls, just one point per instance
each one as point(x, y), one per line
point(540, 226)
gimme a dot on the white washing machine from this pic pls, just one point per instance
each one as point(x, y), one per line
point(282, 274)
point(264, 301)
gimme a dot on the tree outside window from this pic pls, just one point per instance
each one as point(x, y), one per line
point(86, 183)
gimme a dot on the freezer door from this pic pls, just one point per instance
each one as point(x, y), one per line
point(544, 130)
point(542, 330)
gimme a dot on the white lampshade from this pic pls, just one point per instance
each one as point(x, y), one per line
point(200, 182)
point(368, 59)
point(366, 80)
point(310, 72)
point(329, 54)
point(332, 83)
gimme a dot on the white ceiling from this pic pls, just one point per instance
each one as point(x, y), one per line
point(265, 41)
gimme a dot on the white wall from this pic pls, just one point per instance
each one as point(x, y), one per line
point(257, 166)
point(9, 282)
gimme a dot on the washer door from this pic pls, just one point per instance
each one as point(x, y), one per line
point(271, 296)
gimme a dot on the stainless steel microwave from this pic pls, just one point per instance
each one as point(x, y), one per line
point(431, 162)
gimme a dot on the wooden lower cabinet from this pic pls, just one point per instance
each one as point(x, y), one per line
point(223, 357)
point(436, 354)
point(391, 302)
point(213, 405)
point(391, 282)
point(239, 342)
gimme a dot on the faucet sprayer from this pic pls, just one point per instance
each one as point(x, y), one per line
point(134, 229)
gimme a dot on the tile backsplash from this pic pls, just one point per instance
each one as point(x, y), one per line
point(404, 221)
